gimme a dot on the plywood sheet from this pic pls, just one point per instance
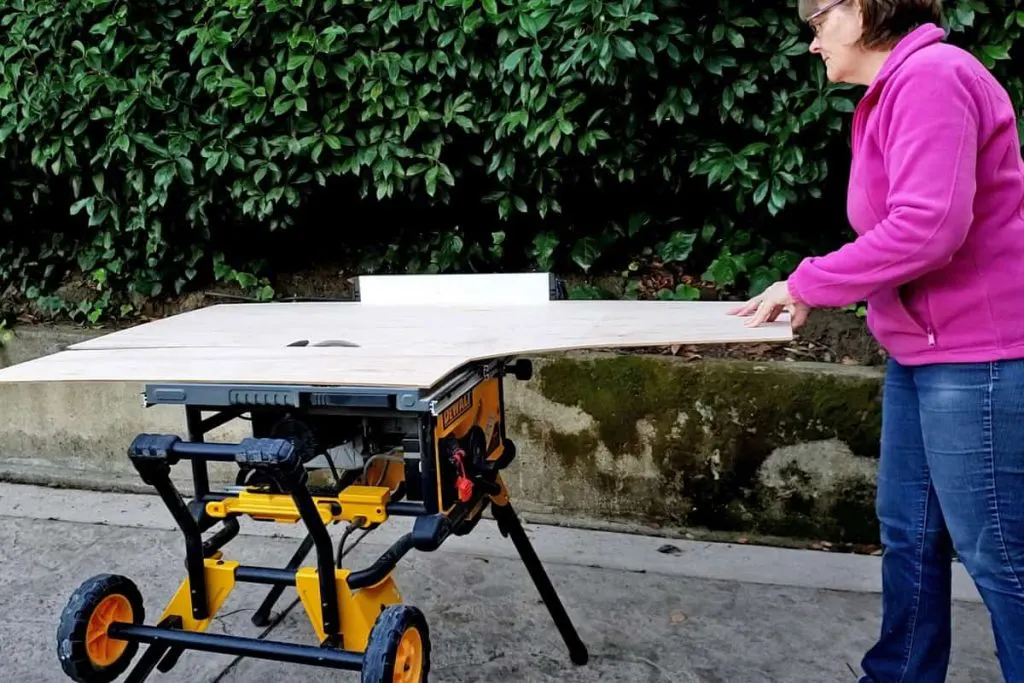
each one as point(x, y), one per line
point(389, 345)
point(475, 331)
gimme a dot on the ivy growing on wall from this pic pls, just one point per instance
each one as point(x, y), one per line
point(151, 146)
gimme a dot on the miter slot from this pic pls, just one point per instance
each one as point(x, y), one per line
point(452, 385)
point(459, 385)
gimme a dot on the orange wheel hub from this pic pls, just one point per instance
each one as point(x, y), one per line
point(101, 648)
point(409, 659)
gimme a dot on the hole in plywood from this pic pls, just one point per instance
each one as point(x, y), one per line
point(326, 342)
point(336, 342)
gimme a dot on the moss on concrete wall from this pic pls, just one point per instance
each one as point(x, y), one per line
point(710, 430)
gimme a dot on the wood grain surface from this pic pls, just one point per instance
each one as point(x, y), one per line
point(359, 344)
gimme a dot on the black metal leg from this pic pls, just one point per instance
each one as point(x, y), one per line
point(307, 655)
point(194, 555)
point(196, 434)
point(290, 476)
point(262, 616)
point(156, 472)
point(147, 663)
point(144, 667)
point(509, 524)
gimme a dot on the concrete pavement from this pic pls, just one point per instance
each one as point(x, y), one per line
point(649, 609)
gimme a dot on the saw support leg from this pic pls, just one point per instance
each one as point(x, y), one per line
point(262, 616)
point(511, 527)
point(153, 655)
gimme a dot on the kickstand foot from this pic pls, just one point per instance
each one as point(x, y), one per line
point(510, 526)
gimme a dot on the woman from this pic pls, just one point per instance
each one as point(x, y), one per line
point(936, 197)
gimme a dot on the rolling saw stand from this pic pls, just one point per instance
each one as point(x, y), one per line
point(435, 455)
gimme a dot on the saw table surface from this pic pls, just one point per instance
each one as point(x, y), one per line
point(361, 344)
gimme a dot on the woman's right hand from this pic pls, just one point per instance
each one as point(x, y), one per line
point(769, 304)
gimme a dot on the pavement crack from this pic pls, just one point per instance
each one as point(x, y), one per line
point(263, 634)
point(232, 613)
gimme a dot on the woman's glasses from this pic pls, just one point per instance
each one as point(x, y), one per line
point(819, 12)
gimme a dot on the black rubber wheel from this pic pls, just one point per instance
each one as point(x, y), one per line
point(399, 647)
point(86, 653)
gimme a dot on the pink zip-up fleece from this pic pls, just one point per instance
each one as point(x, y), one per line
point(936, 197)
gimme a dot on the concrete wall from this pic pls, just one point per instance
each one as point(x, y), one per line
point(781, 449)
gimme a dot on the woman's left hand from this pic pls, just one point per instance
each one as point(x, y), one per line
point(769, 304)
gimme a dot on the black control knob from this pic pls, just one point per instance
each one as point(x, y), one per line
point(522, 369)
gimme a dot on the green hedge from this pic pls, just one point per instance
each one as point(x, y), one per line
point(149, 146)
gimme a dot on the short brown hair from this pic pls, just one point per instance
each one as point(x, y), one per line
point(887, 21)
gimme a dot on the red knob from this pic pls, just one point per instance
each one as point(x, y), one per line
point(465, 487)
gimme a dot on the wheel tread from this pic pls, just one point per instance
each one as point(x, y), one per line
point(386, 634)
point(71, 650)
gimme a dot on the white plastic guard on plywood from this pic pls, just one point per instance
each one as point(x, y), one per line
point(501, 289)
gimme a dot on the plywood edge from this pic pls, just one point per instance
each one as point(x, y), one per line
point(314, 367)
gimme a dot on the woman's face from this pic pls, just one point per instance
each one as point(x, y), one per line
point(837, 27)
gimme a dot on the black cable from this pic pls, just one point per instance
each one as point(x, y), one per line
point(334, 470)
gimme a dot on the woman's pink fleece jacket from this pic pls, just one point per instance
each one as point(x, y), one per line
point(935, 196)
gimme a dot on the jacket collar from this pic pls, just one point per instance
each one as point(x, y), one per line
point(921, 37)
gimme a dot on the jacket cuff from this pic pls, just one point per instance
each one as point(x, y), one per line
point(794, 290)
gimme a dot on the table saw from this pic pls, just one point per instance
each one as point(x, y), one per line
point(397, 395)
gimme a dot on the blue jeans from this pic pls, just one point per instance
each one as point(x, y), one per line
point(951, 479)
